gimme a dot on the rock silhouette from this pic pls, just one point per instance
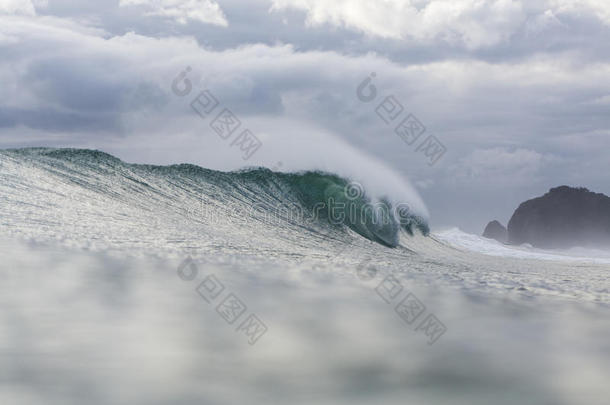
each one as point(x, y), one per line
point(495, 230)
point(562, 218)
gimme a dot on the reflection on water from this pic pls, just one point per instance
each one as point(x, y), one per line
point(80, 327)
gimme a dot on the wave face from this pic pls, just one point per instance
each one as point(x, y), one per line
point(93, 196)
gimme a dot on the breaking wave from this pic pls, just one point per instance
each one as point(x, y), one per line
point(97, 190)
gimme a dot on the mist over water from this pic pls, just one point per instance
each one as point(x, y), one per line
point(93, 308)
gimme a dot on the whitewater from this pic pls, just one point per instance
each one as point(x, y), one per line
point(100, 302)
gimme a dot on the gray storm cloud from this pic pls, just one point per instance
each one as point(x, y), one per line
point(519, 94)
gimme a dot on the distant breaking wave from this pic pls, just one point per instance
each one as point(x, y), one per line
point(57, 187)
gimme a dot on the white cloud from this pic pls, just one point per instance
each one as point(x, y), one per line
point(465, 102)
point(542, 22)
point(23, 7)
point(205, 11)
point(598, 8)
point(473, 23)
point(40, 3)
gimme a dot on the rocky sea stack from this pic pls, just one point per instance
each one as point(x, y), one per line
point(564, 217)
point(495, 230)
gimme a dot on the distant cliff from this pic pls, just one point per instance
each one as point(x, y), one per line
point(564, 217)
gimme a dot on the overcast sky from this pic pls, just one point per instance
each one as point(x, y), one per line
point(517, 91)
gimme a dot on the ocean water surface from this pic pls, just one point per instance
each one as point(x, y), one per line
point(139, 284)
